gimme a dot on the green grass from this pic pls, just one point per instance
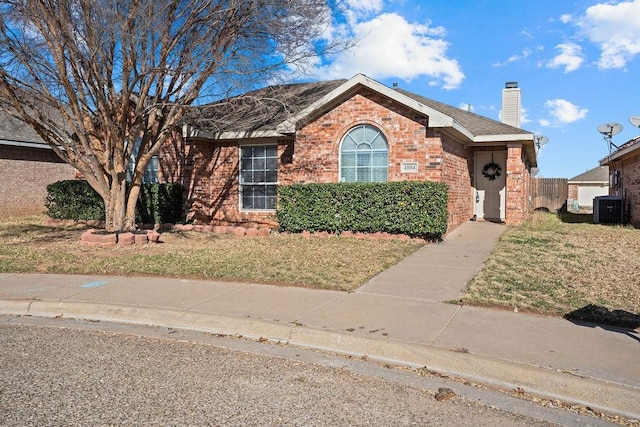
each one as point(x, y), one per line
point(553, 267)
point(28, 246)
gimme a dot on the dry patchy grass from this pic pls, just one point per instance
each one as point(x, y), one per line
point(555, 268)
point(26, 245)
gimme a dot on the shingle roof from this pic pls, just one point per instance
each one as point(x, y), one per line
point(597, 174)
point(260, 110)
point(12, 129)
point(475, 123)
point(264, 109)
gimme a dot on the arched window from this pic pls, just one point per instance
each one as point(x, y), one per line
point(364, 155)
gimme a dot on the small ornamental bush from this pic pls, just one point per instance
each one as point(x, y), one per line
point(75, 199)
point(412, 208)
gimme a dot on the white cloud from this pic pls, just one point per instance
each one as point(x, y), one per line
point(524, 116)
point(390, 46)
point(466, 107)
point(514, 58)
point(566, 18)
point(615, 28)
point(570, 57)
point(365, 6)
point(563, 112)
point(544, 122)
point(356, 10)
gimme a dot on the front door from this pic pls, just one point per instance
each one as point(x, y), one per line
point(490, 179)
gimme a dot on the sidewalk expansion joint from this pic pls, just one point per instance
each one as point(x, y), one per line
point(444, 328)
point(398, 297)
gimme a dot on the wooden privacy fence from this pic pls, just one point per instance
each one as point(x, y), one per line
point(548, 193)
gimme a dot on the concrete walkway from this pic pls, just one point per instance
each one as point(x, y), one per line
point(399, 316)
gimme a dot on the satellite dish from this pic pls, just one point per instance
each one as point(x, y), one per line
point(541, 141)
point(609, 130)
point(635, 120)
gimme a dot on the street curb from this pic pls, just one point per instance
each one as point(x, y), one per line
point(600, 395)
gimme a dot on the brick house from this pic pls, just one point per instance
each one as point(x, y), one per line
point(624, 177)
point(27, 166)
point(232, 155)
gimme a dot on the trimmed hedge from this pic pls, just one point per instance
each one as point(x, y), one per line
point(160, 203)
point(75, 199)
point(412, 208)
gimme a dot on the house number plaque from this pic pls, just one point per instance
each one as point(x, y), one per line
point(409, 167)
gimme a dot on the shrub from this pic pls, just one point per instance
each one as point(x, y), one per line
point(413, 208)
point(75, 199)
point(160, 203)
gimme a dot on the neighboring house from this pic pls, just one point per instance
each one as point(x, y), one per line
point(585, 187)
point(27, 166)
point(624, 177)
point(232, 155)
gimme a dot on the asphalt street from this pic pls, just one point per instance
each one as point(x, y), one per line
point(65, 372)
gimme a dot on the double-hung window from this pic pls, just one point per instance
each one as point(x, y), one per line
point(258, 177)
point(364, 155)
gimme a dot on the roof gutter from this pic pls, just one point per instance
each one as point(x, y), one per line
point(190, 132)
point(40, 145)
point(504, 138)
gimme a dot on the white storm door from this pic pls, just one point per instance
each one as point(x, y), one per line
point(491, 185)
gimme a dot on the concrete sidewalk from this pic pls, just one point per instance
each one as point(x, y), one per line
point(399, 317)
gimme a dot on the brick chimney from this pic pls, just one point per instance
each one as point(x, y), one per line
point(511, 104)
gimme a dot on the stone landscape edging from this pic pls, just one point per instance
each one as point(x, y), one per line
point(97, 237)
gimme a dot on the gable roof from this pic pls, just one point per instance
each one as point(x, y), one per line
point(276, 111)
point(597, 174)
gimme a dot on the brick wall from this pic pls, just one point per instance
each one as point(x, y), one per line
point(629, 186)
point(317, 147)
point(456, 172)
point(24, 176)
point(572, 191)
point(518, 185)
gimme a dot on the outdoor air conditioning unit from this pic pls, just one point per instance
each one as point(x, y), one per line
point(608, 210)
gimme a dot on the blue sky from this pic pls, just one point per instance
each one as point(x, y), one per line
point(577, 63)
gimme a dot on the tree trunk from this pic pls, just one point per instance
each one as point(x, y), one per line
point(130, 211)
point(115, 208)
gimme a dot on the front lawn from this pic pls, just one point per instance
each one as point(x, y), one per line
point(551, 267)
point(29, 246)
point(544, 266)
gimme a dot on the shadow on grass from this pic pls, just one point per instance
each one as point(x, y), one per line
point(574, 217)
point(36, 233)
point(614, 320)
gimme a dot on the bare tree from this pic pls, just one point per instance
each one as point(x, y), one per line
point(102, 80)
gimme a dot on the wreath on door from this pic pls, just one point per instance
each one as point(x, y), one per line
point(491, 170)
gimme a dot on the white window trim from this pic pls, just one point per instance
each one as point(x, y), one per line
point(240, 184)
point(376, 150)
